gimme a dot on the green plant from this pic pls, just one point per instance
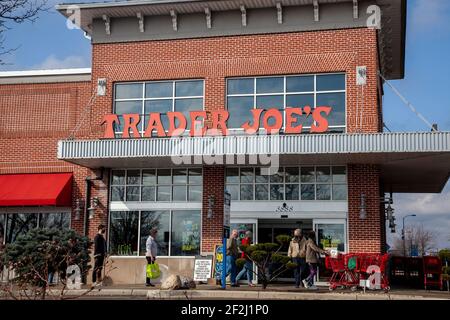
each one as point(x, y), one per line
point(444, 255)
point(265, 254)
point(41, 251)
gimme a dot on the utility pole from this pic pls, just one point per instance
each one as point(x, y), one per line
point(403, 233)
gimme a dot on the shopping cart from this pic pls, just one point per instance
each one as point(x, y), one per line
point(373, 268)
point(344, 271)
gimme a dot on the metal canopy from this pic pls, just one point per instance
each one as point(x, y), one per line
point(410, 162)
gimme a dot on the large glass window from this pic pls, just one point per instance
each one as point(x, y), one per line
point(280, 92)
point(178, 185)
point(289, 183)
point(161, 221)
point(159, 96)
point(331, 236)
point(2, 228)
point(123, 232)
point(178, 232)
point(185, 233)
point(13, 225)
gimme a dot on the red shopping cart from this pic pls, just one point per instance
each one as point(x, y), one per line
point(344, 271)
point(373, 268)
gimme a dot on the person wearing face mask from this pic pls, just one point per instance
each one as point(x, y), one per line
point(297, 252)
point(99, 255)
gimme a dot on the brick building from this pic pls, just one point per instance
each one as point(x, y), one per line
point(58, 166)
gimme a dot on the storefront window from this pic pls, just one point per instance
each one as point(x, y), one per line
point(245, 94)
point(55, 220)
point(13, 225)
point(19, 224)
point(157, 185)
point(178, 234)
point(123, 233)
point(2, 228)
point(160, 221)
point(331, 236)
point(185, 233)
point(159, 96)
point(308, 183)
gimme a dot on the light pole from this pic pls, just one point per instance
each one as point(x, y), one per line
point(403, 232)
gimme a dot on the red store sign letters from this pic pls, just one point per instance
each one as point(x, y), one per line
point(271, 120)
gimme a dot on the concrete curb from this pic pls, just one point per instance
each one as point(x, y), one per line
point(156, 294)
point(268, 295)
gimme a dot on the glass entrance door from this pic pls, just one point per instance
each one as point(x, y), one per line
point(242, 226)
point(268, 230)
point(330, 235)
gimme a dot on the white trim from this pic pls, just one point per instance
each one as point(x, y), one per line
point(7, 210)
point(47, 72)
point(134, 206)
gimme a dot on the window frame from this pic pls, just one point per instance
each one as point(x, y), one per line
point(171, 185)
point(143, 99)
point(285, 94)
point(170, 212)
point(4, 215)
point(284, 183)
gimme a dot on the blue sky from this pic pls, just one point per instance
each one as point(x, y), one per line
point(47, 43)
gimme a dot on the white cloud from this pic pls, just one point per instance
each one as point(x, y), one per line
point(52, 62)
point(432, 210)
point(429, 15)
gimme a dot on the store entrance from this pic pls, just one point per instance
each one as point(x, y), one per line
point(268, 230)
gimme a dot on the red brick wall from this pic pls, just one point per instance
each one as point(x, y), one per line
point(215, 59)
point(34, 118)
point(53, 109)
point(365, 235)
point(213, 184)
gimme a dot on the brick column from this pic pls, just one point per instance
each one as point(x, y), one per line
point(213, 184)
point(366, 235)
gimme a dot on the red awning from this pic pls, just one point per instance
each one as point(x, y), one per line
point(49, 189)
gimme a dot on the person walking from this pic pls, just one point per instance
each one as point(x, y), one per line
point(99, 255)
point(312, 250)
point(151, 252)
point(297, 252)
point(248, 266)
point(232, 255)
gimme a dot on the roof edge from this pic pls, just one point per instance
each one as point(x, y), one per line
point(45, 72)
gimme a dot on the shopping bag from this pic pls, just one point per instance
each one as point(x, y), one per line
point(153, 271)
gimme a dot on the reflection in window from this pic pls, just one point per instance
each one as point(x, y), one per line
point(245, 94)
point(331, 236)
point(157, 185)
point(16, 224)
point(185, 233)
point(123, 233)
point(291, 183)
point(160, 221)
point(60, 221)
point(2, 228)
point(158, 96)
point(19, 224)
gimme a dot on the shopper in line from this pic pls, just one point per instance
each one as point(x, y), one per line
point(312, 250)
point(151, 252)
point(248, 266)
point(297, 251)
point(99, 255)
point(232, 256)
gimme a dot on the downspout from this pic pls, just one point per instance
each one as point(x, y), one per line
point(87, 202)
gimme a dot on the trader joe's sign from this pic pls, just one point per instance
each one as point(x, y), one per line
point(203, 123)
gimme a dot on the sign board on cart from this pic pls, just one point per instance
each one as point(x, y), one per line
point(203, 268)
point(218, 261)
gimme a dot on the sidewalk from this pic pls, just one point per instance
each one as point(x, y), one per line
point(275, 292)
